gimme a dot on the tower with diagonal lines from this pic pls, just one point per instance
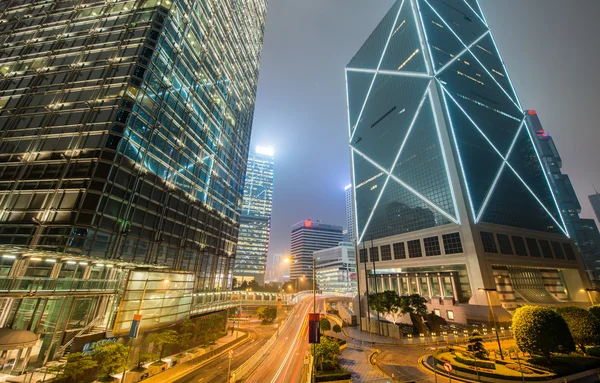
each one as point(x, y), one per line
point(449, 191)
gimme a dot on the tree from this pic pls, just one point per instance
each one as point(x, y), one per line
point(266, 314)
point(595, 311)
point(325, 325)
point(111, 357)
point(186, 333)
point(144, 358)
point(541, 330)
point(326, 351)
point(583, 325)
point(161, 339)
point(78, 364)
point(337, 329)
point(386, 303)
point(476, 345)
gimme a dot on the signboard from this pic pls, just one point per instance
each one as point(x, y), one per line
point(353, 276)
point(314, 328)
point(135, 326)
point(448, 367)
point(239, 312)
point(278, 303)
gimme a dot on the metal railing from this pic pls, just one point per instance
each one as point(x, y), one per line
point(63, 348)
point(32, 285)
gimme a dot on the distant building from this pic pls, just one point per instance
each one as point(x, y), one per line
point(277, 269)
point(255, 221)
point(450, 193)
point(336, 269)
point(582, 231)
point(595, 201)
point(349, 214)
point(307, 237)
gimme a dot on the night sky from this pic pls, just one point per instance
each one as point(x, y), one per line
point(550, 48)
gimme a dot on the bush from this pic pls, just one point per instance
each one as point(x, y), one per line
point(541, 330)
point(517, 368)
point(475, 363)
point(595, 311)
point(566, 365)
point(583, 325)
point(331, 376)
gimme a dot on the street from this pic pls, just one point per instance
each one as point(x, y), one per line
point(285, 362)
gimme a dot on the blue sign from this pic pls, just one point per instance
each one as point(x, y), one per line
point(135, 326)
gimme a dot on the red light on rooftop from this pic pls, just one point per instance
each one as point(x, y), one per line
point(308, 223)
point(532, 112)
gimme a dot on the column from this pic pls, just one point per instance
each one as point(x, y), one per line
point(454, 291)
point(429, 286)
point(419, 284)
point(409, 287)
point(439, 278)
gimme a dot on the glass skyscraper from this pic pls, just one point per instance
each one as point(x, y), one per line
point(125, 128)
point(255, 223)
point(448, 183)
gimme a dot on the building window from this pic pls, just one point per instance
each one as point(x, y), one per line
point(489, 245)
point(546, 250)
point(504, 243)
point(450, 314)
point(558, 250)
point(414, 249)
point(374, 253)
point(437, 312)
point(386, 253)
point(569, 251)
point(363, 256)
point(432, 246)
point(533, 248)
point(519, 245)
point(452, 243)
point(399, 252)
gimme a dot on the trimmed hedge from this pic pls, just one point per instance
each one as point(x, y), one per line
point(333, 376)
point(475, 363)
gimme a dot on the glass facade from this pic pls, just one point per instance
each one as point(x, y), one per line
point(125, 128)
point(432, 61)
point(255, 223)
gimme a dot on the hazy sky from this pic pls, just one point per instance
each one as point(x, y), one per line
point(550, 48)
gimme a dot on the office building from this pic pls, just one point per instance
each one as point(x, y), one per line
point(255, 221)
point(336, 269)
point(584, 233)
point(595, 201)
point(125, 133)
point(349, 214)
point(307, 237)
point(450, 192)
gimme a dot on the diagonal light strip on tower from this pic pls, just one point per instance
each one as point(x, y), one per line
point(410, 128)
point(467, 49)
point(494, 184)
point(506, 161)
point(475, 13)
point(378, 66)
point(480, 63)
point(390, 72)
point(407, 187)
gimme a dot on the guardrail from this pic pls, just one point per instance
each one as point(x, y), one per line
point(221, 305)
point(33, 285)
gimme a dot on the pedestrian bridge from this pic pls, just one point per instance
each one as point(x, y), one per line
point(221, 300)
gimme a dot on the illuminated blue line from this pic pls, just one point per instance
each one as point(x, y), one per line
point(422, 40)
point(483, 66)
point(378, 66)
point(458, 151)
point(348, 103)
point(426, 37)
point(390, 72)
point(491, 191)
point(476, 14)
point(467, 49)
point(355, 213)
point(437, 127)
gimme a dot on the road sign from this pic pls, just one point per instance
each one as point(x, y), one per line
point(135, 326)
point(448, 367)
point(230, 353)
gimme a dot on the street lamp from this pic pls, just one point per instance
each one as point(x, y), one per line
point(487, 295)
point(588, 291)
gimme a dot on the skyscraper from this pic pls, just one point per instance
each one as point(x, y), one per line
point(125, 128)
point(255, 222)
point(584, 233)
point(349, 213)
point(595, 201)
point(307, 237)
point(449, 187)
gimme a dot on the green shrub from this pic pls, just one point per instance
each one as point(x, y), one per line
point(330, 376)
point(595, 311)
point(565, 365)
point(583, 325)
point(476, 363)
point(541, 330)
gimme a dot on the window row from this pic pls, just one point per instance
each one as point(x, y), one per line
point(430, 246)
point(516, 245)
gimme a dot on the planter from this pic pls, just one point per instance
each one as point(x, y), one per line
point(135, 376)
point(157, 367)
point(180, 358)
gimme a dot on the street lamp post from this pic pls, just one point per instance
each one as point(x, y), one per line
point(487, 295)
point(230, 355)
